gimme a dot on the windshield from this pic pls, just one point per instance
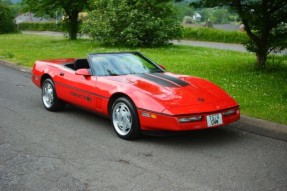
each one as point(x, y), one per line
point(114, 64)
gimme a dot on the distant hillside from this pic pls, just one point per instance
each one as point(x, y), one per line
point(16, 1)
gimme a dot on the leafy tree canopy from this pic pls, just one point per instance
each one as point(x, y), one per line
point(7, 22)
point(133, 22)
point(6, 2)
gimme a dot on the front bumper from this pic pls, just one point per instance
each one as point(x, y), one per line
point(156, 121)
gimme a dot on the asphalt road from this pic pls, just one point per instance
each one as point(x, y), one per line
point(77, 150)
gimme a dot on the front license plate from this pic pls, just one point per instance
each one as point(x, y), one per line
point(213, 120)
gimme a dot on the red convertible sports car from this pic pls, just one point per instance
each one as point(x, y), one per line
point(136, 93)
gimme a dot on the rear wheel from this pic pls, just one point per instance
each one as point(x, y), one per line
point(125, 119)
point(49, 96)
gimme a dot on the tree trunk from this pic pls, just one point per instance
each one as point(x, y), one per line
point(261, 59)
point(73, 24)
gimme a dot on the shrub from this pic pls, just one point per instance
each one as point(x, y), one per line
point(46, 26)
point(7, 22)
point(133, 22)
point(214, 35)
point(219, 16)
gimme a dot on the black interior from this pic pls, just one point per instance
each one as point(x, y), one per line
point(81, 63)
point(78, 64)
point(70, 65)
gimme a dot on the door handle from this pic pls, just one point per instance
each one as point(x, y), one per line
point(62, 73)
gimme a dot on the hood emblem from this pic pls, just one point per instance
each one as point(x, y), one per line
point(201, 99)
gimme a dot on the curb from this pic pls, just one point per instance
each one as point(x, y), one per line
point(262, 127)
point(15, 66)
point(249, 124)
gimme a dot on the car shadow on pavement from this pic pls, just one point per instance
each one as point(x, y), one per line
point(222, 135)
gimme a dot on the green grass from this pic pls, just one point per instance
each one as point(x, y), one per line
point(261, 94)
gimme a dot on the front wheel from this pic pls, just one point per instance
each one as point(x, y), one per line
point(125, 119)
point(49, 96)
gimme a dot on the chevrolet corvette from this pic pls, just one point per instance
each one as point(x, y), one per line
point(134, 92)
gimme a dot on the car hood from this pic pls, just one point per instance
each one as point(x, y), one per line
point(174, 91)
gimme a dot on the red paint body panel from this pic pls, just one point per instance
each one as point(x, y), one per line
point(165, 104)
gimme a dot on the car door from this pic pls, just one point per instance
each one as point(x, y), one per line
point(76, 89)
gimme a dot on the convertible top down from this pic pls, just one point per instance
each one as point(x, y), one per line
point(135, 92)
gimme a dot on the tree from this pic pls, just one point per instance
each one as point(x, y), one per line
point(6, 2)
point(14, 6)
point(219, 16)
point(133, 22)
point(7, 22)
point(183, 9)
point(71, 8)
point(264, 22)
point(205, 14)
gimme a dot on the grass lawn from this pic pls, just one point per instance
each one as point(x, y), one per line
point(260, 94)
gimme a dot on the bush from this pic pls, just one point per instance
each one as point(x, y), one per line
point(133, 22)
point(47, 26)
point(7, 22)
point(219, 16)
point(214, 35)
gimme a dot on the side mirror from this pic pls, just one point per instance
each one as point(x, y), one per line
point(83, 72)
point(162, 67)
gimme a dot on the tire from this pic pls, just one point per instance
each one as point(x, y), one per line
point(125, 119)
point(49, 96)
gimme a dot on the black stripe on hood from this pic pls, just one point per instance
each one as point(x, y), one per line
point(157, 80)
point(172, 79)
